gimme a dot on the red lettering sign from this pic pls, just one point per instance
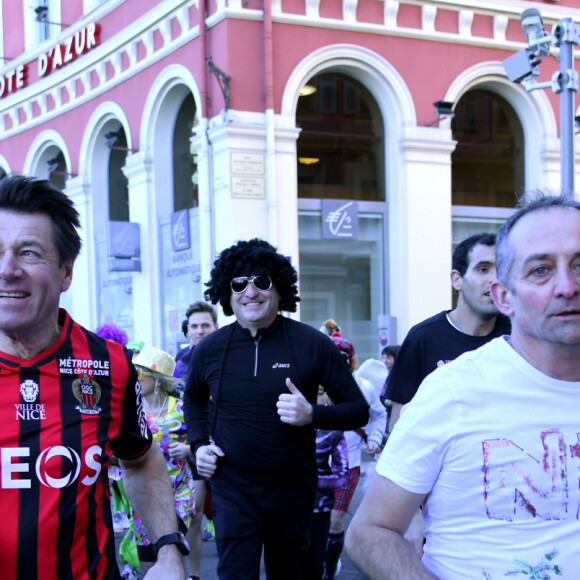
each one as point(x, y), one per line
point(80, 42)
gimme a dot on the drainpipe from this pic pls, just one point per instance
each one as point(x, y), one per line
point(207, 210)
point(270, 130)
point(203, 54)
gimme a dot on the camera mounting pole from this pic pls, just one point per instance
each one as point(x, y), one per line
point(523, 67)
point(566, 35)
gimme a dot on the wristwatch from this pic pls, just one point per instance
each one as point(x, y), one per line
point(176, 538)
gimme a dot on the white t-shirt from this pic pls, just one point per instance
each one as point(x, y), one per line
point(496, 445)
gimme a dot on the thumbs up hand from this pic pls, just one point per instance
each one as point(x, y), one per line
point(293, 408)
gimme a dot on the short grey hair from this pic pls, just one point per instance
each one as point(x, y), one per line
point(504, 252)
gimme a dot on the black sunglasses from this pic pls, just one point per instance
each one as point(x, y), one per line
point(239, 284)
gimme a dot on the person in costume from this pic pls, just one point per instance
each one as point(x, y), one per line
point(164, 412)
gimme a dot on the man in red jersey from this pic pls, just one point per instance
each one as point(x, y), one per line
point(68, 401)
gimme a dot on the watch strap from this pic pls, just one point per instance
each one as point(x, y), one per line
point(176, 538)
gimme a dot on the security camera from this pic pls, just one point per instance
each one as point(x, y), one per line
point(521, 65)
point(533, 27)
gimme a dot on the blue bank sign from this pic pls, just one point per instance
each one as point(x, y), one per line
point(339, 219)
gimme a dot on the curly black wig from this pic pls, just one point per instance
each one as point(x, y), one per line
point(252, 258)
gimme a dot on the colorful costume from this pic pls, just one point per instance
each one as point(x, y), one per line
point(168, 428)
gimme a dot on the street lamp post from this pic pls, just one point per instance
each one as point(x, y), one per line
point(522, 67)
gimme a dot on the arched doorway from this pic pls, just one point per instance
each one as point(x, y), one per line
point(111, 145)
point(177, 221)
point(342, 209)
point(118, 188)
point(488, 164)
point(185, 193)
point(341, 144)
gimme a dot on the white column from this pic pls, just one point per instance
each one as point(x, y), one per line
point(237, 215)
point(200, 145)
point(274, 215)
point(287, 193)
point(420, 224)
point(84, 288)
point(287, 188)
point(147, 306)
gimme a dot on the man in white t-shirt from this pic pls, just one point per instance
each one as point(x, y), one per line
point(490, 445)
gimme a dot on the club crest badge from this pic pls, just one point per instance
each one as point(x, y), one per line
point(29, 391)
point(88, 393)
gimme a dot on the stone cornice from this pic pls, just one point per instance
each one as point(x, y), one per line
point(153, 37)
point(99, 70)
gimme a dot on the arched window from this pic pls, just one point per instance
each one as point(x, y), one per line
point(57, 170)
point(488, 163)
point(42, 19)
point(341, 156)
point(185, 194)
point(178, 220)
point(118, 183)
point(487, 171)
point(341, 145)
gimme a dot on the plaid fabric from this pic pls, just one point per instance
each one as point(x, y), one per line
point(343, 495)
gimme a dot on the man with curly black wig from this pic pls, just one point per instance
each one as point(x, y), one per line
point(262, 374)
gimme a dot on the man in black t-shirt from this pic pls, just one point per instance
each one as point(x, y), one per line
point(200, 321)
point(445, 336)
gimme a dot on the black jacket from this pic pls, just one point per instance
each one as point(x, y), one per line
point(245, 375)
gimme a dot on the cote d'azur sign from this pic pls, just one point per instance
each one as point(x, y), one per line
point(60, 55)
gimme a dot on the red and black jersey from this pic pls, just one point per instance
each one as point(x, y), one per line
point(62, 414)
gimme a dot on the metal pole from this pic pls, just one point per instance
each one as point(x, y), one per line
point(523, 67)
point(567, 108)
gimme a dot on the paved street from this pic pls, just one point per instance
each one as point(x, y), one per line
point(348, 570)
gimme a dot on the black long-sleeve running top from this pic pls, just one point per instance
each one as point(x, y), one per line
point(244, 376)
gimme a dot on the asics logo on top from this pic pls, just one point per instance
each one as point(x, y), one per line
point(281, 366)
point(440, 363)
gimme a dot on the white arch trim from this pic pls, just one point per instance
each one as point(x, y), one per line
point(165, 98)
point(41, 143)
point(377, 74)
point(102, 115)
point(533, 109)
point(171, 77)
point(4, 164)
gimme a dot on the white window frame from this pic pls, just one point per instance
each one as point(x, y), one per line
point(90, 5)
point(32, 29)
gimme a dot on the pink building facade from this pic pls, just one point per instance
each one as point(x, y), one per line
point(180, 127)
